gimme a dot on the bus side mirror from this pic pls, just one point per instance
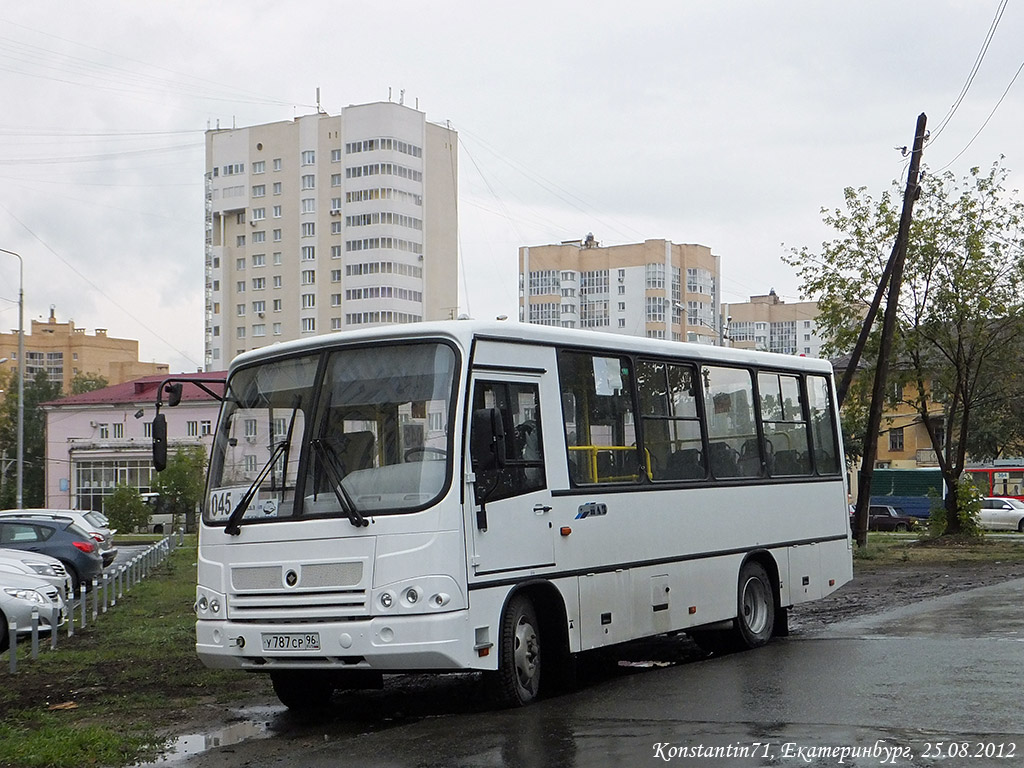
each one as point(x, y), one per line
point(159, 442)
point(173, 393)
point(487, 440)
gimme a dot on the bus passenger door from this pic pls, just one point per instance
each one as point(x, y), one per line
point(511, 503)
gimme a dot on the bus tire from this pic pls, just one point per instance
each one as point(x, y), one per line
point(755, 617)
point(303, 690)
point(516, 682)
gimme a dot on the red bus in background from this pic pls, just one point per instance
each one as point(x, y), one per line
point(998, 481)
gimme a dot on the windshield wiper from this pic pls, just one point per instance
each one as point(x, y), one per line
point(323, 453)
point(233, 526)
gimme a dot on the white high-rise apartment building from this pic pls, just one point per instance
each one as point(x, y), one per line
point(656, 288)
point(328, 223)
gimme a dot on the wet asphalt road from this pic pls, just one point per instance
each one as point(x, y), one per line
point(933, 684)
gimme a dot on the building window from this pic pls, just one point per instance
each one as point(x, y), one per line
point(277, 187)
point(335, 251)
point(308, 252)
point(240, 333)
point(896, 439)
point(258, 214)
point(118, 430)
point(277, 305)
point(259, 306)
point(335, 275)
point(259, 329)
point(147, 429)
point(259, 237)
point(335, 179)
point(308, 324)
point(277, 329)
point(277, 163)
point(309, 301)
point(277, 281)
point(308, 276)
point(240, 241)
point(205, 427)
point(277, 211)
point(309, 157)
point(240, 310)
point(277, 235)
point(335, 155)
point(335, 323)
point(335, 299)
point(277, 258)
point(240, 263)
point(260, 166)
point(259, 259)
point(192, 428)
point(259, 190)
point(308, 205)
point(308, 229)
point(259, 283)
point(309, 181)
point(240, 286)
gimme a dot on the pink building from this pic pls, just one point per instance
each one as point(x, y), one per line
point(97, 440)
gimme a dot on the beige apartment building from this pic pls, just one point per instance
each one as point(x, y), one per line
point(62, 350)
point(768, 323)
point(328, 223)
point(656, 288)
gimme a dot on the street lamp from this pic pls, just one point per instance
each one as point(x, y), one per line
point(21, 373)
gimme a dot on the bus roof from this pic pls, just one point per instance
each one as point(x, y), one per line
point(464, 332)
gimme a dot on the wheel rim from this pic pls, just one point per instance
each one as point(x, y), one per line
point(527, 655)
point(755, 605)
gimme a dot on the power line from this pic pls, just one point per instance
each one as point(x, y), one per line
point(974, 71)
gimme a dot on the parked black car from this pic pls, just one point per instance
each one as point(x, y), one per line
point(882, 517)
point(57, 537)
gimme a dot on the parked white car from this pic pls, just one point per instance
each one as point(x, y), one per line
point(93, 523)
point(1001, 514)
point(19, 595)
point(49, 569)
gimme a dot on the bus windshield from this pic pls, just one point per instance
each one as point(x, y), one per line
point(368, 434)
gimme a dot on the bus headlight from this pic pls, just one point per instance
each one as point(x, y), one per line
point(386, 600)
point(411, 595)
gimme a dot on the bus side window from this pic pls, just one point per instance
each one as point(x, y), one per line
point(519, 408)
point(597, 413)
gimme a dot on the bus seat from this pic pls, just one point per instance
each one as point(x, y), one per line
point(791, 462)
point(685, 464)
point(354, 450)
point(750, 459)
point(724, 460)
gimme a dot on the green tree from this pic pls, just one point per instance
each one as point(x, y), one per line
point(125, 508)
point(39, 390)
point(961, 310)
point(87, 382)
point(182, 483)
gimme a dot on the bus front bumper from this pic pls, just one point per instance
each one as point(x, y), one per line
point(441, 642)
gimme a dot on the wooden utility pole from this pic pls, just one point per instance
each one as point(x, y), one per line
point(895, 271)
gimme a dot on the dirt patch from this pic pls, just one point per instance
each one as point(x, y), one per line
point(878, 588)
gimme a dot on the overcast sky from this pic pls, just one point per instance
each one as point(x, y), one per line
point(729, 124)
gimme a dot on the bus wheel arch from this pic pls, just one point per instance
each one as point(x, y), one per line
point(533, 645)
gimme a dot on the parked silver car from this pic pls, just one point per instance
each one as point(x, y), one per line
point(19, 595)
point(49, 569)
point(93, 523)
point(1001, 514)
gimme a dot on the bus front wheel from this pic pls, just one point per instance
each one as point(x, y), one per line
point(517, 679)
point(303, 689)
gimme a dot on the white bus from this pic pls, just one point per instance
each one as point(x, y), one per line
point(500, 496)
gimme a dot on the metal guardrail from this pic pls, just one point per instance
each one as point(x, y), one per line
point(105, 593)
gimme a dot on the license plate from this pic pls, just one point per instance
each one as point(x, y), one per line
point(291, 641)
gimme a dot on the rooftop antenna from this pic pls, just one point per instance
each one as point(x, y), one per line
point(401, 97)
point(319, 109)
point(389, 94)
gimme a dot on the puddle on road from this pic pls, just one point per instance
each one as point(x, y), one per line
point(192, 744)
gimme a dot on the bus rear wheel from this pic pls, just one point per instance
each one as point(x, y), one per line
point(755, 615)
point(303, 690)
point(516, 682)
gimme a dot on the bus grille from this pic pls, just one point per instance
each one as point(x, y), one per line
point(297, 592)
point(298, 606)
